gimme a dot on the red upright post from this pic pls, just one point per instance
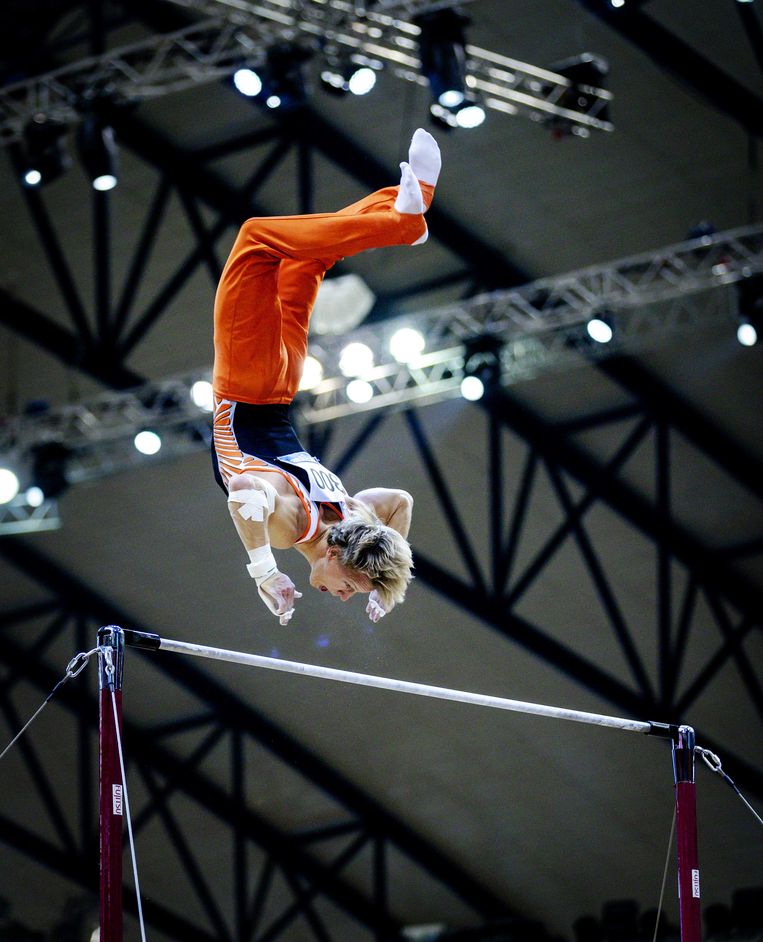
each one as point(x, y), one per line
point(111, 645)
point(686, 830)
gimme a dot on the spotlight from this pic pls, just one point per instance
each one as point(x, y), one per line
point(406, 344)
point(98, 151)
point(359, 391)
point(344, 74)
point(9, 485)
point(443, 60)
point(746, 334)
point(617, 3)
point(248, 82)
point(600, 329)
point(202, 395)
point(44, 157)
point(283, 81)
point(356, 359)
point(482, 366)
point(34, 496)
point(147, 442)
point(49, 462)
point(312, 374)
point(586, 73)
point(750, 310)
point(470, 115)
point(472, 388)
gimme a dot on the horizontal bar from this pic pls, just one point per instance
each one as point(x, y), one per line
point(405, 686)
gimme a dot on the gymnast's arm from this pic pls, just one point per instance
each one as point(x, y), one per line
point(252, 501)
point(393, 507)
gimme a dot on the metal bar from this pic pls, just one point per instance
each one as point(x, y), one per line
point(141, 255)
point(79, 871)
point(518, 516)
point(682, 636)
point(110, 786)
point(732, 643)
point(240, 869)
point(260, 899)
point(381, 887)
point(55, 255)
point(173, 781)
point(186, 269)
point(202, 235)
point(746, 670)
point(495, 501)
point(664, 567)
point(102, 267)
point(696, 427)
point(40, 780)
point(187, 859)
point(63, 344)
point(452, 516)
point(401, 686)
point(749, 16)
point(359, 442)
point(677, 58)
point(36, 650)
point(305, 905)
point(686, 830)
point(496, 614)
point(577, 512)
point(85, 791)
point(601, 584)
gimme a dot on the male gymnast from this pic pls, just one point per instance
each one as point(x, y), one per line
point(279, 496)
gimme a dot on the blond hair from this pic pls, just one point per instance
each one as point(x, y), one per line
point(377, 551)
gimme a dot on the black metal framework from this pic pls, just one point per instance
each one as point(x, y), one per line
point(99, 341)
point(277, 876)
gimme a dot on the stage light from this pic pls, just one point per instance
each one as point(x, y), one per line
point(356, 359)
point(482, 363)
point(34, 496)
point(248, 82)
point(617, 3)
point(600, 330)
point(470, 115)
point(406, 344)
point(283, 77)
point(9, 485)
point(586, 73)
point(341, 305)
point(472, 388)
point(147, 442)
point(202, 395)
point(312, 374)
point(749, 293)
point(359, 391)
point(44, 156)
point(362, 81)
point(443, 60)
point(746, 334)
point(98, 151)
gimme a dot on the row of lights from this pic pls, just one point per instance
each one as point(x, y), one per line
point(356, 360)
point(279, 81)
point(44, 157)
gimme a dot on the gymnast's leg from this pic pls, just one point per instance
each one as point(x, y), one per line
point(271, 279)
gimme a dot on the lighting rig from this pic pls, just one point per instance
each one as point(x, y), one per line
point(500, 337)
point(416, 41)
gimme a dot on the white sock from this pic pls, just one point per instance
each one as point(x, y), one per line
point(424, 157)
point(409, 198)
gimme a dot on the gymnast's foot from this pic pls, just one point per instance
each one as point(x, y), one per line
point(424, 157)
point(410, 199)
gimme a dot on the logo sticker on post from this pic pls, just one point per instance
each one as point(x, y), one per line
point(116, 799)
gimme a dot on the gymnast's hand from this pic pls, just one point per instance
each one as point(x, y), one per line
point(375, 610)
point(278, 593)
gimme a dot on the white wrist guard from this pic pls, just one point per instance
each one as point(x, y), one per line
point(262, 565)
point(255, 502)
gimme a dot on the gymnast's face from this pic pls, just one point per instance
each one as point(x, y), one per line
point(329, 575)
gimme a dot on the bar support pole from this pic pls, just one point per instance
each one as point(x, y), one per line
point(111, 657)
point(686, 830)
